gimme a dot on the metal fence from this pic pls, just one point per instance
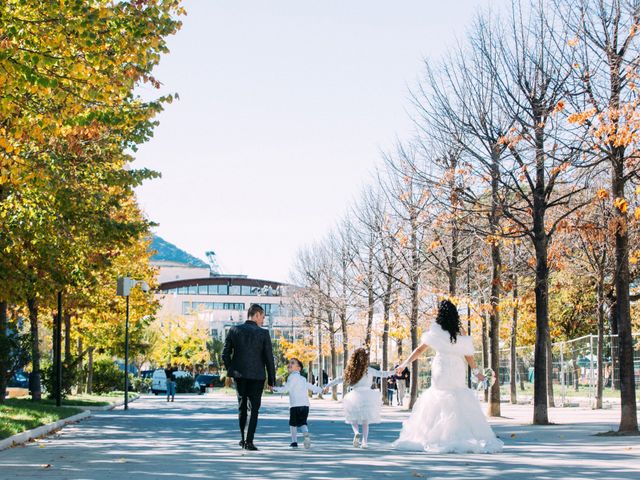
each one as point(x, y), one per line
point(574, 370)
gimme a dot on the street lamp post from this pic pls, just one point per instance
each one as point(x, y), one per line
point(125, 285)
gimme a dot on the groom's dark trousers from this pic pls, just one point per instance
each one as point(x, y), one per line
point(249, 399)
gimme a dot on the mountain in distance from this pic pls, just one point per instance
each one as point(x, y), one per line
point(170, 253)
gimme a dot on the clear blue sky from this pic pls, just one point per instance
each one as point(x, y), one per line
point(284, 108)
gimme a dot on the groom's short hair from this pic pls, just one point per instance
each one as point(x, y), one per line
point(253, 309)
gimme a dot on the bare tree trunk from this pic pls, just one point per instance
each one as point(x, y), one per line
point(67, 338)
point(334, 354)
point(540, 405)
point(485, 351)
point(385, 339)
point(600, 380)
point(550, 397)
point(514, 330)
point(320, 379)
point(494, 331)
point(35, 384)
point(90, 372)
point(370, 298)
point(629, 410)
point(4, 350)
point(80, 365)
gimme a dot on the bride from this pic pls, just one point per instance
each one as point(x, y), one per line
point(447, 417)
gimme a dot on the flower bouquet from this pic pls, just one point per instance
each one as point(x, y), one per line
point(489, 379)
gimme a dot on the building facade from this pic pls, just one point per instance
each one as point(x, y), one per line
point(221, 301)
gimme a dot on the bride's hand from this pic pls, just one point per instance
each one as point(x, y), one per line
point(481, 377)
point(399, 370)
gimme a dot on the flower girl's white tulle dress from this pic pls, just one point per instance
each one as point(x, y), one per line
point(447, 417)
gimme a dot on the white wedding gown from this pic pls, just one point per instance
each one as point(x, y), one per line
point(447, 417)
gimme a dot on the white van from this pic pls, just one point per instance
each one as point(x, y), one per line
point(159, 380)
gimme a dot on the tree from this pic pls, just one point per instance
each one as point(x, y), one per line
point(606, 44)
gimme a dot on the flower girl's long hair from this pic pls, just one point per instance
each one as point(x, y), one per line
point(356, 367)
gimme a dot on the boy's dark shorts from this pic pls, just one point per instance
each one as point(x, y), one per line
point(298, 416)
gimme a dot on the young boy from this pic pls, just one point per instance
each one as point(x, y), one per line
point(297, 386)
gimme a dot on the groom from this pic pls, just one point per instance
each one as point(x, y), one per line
point(247, 352)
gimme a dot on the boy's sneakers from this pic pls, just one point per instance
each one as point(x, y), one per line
point(294, 445)
point(356, 440)
point(307, 440)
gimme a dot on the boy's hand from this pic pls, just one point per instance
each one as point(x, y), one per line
point(325, 390)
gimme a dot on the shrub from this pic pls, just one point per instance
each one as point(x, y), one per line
point(141, 385)
point(184, 385)
point(70, 377)
point(107, 376)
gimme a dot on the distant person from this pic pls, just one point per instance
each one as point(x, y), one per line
point(391, 388)
point(325, 377)
point(247, 353)
point(297, 386)
point(402, 384)
point(171, 382)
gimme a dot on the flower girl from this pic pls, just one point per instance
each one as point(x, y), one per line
point(362, 404)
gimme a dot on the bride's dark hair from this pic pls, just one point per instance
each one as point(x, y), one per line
point(449, 319)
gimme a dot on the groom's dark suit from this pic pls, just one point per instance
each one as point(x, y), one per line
point(247, 353)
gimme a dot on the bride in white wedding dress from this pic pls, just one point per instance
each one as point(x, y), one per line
point(447, 417)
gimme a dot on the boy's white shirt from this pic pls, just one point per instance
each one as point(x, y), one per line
point(297, 386)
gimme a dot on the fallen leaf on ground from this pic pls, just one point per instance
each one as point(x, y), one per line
point(513, 435)
point(46, 465)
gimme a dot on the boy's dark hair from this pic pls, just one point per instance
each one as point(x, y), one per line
point(253, 309)
point(298, 362)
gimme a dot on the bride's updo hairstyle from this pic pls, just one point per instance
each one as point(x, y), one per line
point(449, 319)
point(357, 366)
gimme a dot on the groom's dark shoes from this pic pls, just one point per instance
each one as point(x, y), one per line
point(250, 446)
point(241, 443)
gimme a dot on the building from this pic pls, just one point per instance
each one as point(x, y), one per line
point(191, 290)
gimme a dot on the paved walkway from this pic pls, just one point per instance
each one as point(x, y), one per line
point(196, 438)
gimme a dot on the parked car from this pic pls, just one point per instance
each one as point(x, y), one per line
point(147, 373)
point(204, 381)
point(159, 380)
point(19, 380)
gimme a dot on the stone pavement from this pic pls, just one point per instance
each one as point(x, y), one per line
point(196, 438)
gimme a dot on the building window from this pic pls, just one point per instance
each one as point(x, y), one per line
point(213, 289)
point(183, 290)
point(246, 290)
point(202, 289)
point(193, 290)
point(234, 290)
point(186, 308)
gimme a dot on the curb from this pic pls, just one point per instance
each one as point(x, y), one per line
point(41, 431)
point(104, 408)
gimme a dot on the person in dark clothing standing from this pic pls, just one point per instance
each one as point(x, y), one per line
point(402, 384)
point(247, 353)
point(171, 382)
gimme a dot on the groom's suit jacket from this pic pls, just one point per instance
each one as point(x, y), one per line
point(247, 353)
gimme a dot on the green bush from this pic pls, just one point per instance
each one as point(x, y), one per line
point(184, 385)
point(70, 377)
point(141, 385)
point(107, 376)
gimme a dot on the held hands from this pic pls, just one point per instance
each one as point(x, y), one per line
point(400, 369)
point(325, 390)
point(481, 377)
